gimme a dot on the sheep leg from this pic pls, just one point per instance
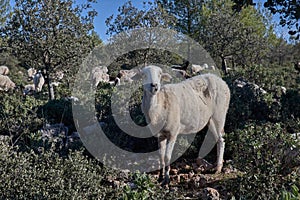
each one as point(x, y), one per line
point(169, 150)
point(208, 144)
point(162, 141)
point(220, 152)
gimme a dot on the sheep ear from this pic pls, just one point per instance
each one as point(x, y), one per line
point(166, 77)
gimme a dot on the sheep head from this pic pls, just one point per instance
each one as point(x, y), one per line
point(152, 77)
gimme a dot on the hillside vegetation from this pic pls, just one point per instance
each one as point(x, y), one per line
point(262, 153)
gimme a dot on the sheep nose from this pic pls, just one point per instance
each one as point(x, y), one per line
point(154, 85)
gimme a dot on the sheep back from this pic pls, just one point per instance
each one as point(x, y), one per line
point(6, 83)
point(4, 70)
point(187, 106)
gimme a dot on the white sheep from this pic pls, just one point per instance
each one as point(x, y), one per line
point(184, 108)
point(4, 70)
point(99, 74)
point(198, 68)
point(180, 73)
point(125, 76)
point(38, 81)
point(30, 73)
point(5, 83)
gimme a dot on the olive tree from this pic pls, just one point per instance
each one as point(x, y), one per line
point(51, 35)
point(133, 24)
point(242, 36)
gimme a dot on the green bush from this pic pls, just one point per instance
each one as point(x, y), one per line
point(268, 156)
point(141, 187)
point(294, 194)
point(18, 115)
point(274, 106)
point(46, 175)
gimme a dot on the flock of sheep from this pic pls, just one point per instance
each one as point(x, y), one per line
point(100, 74)
point(7, 84)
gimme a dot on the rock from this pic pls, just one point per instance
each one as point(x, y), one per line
point(210, 194)
point(242, 83)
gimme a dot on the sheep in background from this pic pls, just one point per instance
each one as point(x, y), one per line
point(198, 68)
point(4, 70)
point(125, 76)
point(99, 74)
point(59, 75)
point(184, 108)
point(5, 83)
point(38, 81)
point(242, 83)
point(30, 73)
point(180, 73)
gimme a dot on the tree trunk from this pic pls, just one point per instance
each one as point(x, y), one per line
point(224, 65)
point(51, 91)
point(49, 84)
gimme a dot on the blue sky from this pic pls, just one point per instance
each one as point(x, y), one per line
point(106, 8)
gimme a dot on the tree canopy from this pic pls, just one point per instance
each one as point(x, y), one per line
point(4, 11)
point(289, 11)
point(51, 35)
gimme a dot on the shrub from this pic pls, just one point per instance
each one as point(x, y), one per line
point(267, 155)
point(294, 194)
point(45, 175)
point(141, 187)
point(274, 106)
point(18, 115)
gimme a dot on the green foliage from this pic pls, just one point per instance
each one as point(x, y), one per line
point(136, 23)
point(51, 35)
point(241, 35)
point(18, 115)
point(289, 14)
point(57, 111)
point(142, 187)
point(275, 106)
point(265, 153)
point(294, 194)
point(45, 175)
point(186, 14)
point(4, 11)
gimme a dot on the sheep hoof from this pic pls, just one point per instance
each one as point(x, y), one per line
point(160, 178)
point(166, 181)
point(218, 169)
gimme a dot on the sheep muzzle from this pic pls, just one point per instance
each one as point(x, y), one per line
point(154, 87)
